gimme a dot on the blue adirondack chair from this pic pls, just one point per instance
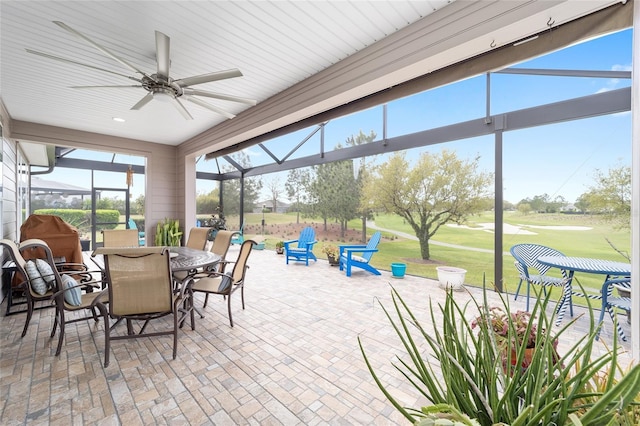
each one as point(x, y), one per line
point(358, 256)
point(238, 236)
point(132, 225)
point(303, 251)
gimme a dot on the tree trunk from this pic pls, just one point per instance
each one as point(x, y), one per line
point(424, 248)
point(364, 229)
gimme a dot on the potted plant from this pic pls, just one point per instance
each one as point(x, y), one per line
point(512, 331)
point(280, 247)
point(332, 253)
point(478, 391)
point(168, 233)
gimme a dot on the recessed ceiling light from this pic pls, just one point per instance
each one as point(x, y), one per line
point(118, 119)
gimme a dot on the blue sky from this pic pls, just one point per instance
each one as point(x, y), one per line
point(559, 160)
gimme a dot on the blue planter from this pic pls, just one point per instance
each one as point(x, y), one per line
point(398, 269)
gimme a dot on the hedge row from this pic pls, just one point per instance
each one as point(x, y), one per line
point(81, 219)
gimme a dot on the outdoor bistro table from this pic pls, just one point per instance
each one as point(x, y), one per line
point(609, 268)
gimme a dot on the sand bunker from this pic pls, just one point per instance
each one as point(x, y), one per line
point(518, 229)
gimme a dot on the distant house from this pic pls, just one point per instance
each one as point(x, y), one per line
point(267, 205)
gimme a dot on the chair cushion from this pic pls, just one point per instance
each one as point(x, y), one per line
point(47, 272)
point(225, 283)
point(72, 296)
point(38, 285)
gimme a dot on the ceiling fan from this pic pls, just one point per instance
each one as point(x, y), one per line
point(160, 86)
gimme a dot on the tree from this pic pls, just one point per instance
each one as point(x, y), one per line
point(335, 193)
point(440, 188)
point(231, 188)
point(207, 203)
point(297, 183)
point(524, 208)
point(364, 208)
point(583, 204)
point(137, 207)
point(611, 195)
point(275, 189)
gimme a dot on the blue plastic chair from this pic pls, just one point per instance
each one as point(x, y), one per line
point(527, 264)
point(238, 236)
point(132, 225)
point(303, 251)
point(349, 257)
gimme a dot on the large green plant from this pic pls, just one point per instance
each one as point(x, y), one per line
point(470, 376)
point(168, 233)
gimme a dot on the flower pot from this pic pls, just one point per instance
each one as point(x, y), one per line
point(451, 277)
point(398, 270)
point(333, 260)
point(279, 250)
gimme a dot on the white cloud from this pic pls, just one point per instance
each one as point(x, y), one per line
point(619, 67)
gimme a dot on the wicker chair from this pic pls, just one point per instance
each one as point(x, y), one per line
point(611, 303)
point(526, 262)
point(225, 284)
point(141, 289)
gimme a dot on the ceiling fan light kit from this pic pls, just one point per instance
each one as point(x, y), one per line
point(159, 86)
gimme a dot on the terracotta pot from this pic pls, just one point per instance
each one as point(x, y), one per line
point(528, 356)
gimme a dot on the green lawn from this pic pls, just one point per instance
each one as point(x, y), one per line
point(586, 243)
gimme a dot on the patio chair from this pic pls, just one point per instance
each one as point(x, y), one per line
point(34, 276)
point(32, 285)
point(198, 238)
point(66, 290)
point(226, 284)
point(349, 257)
point(132, 225)
point(611, 303)
point(526, 262)
point(238, 236)
point(120, 238)
point(141, 289)
point(220, 247)
point(303, 250)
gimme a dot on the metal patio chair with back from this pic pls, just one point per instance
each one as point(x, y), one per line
point(141, 289)
point(533, 272)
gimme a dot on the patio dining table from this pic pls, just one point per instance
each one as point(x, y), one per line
point(183, 259)
point(608, 268)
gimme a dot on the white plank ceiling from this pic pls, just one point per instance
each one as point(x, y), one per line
point(275, 44)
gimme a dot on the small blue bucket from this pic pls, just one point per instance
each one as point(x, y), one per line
point(398, 269)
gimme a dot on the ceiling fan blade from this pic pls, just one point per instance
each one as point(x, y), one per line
point(209, 106)
point(142, 102)
point(206, 78)
point(105, 87)
point(99, 47)
point(176, 103)
point(220, 96)
point(162, 54)
point(61, 59)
